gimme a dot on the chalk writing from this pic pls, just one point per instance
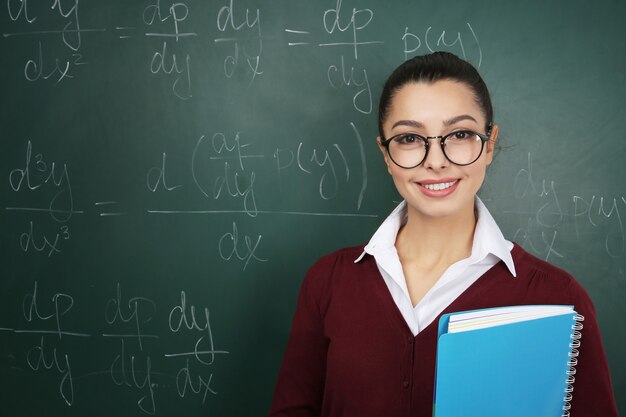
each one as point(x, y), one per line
point(307, 160)
point(225, 148)
point(61, 305)
point(71, 31)
point(42, 66)
point(597, 211)
point(36, 176)
point(229, 247)
point(19, 10)
point(156, 176)
point(36, 358)
point(335, 22)
point(430, 41)
point(548, 213)
point(180, 319)
point(159, 64)
point(177, 12)
point(105, 204)
point(252, 48)
point(28, 241)
point(238, 185)
point(40, 357)
point(234, 182)
point(363, 164)
point(129, 375)
point(539, 233)
point(163, 60)
point(39, 173)
point(34, 68)
point(544, 245)
point(184, 380)
point(357, 21)
point(139, 310)
point(183, 317)
point(339, 77)
point(329, 164)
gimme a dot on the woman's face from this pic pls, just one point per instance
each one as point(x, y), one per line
point(437, 188)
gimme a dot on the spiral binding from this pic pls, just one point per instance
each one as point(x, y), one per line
point(571, 363)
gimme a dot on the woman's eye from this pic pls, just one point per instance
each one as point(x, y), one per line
point(462, 134)
point(406, 139)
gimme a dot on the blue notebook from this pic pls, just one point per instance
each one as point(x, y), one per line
point(513, 361)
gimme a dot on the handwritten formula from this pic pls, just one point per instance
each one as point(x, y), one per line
point(546, 213)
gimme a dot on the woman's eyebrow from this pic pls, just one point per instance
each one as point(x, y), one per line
point(409, 123)
point(457, 119)
point(446, 123)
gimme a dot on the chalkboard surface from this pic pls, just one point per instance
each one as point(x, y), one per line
point(170, 169)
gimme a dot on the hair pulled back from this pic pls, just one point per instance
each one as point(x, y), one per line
point(429, 69)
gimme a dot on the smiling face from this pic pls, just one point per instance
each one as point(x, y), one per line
point(437, 188)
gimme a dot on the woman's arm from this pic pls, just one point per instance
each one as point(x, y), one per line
point(593, 392)
point(300, 385)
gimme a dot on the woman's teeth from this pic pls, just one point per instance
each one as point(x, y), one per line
point(439, 186)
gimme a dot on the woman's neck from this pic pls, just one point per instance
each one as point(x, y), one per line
point(432, 241)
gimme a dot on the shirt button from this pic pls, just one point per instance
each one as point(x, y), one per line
point(405, 384)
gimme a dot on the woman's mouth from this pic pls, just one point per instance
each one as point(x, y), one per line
point(439, 188)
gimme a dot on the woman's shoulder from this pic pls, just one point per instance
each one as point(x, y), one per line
point(340, 258)
point(530, 267)
point(337, 265)
point(527, 262)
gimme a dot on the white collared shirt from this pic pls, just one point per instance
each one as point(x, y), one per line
point(488, 248)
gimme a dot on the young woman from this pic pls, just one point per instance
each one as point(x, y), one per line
point(363, 338)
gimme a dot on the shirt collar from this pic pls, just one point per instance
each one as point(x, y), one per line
point(488, 238)
point(384, 238)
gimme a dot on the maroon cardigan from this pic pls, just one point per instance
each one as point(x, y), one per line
point(351, 354)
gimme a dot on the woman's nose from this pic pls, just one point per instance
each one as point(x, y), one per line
point(435, 158)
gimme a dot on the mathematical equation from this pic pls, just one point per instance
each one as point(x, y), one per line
point(133, 356)
point(241, 42)
point(219, 171)
point(547, 213)
point(345, 28)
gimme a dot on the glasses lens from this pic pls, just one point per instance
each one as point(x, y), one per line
point(463, 147)
point(407, 150)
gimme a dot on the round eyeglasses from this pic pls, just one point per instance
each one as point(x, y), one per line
point(461, 147)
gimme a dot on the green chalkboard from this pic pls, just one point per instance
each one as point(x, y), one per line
point(170, 169)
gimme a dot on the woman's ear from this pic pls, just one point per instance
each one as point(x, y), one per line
point(491, 143)
point(383, 150)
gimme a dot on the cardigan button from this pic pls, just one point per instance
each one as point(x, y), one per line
point(405, 384)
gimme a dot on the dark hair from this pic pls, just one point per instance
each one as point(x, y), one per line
point(430, 68)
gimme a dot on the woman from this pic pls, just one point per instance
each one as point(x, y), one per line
point(363, 338)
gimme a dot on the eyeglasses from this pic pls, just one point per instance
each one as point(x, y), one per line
point(461, 147)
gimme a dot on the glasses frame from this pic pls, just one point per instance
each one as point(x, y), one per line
point(442, 142)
